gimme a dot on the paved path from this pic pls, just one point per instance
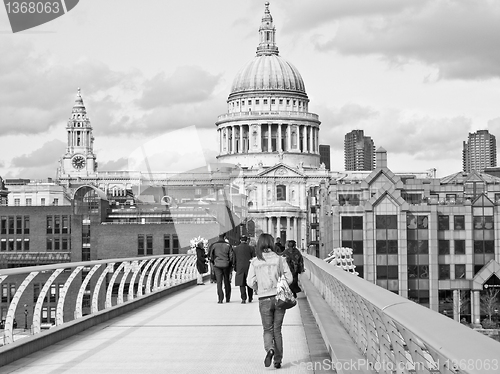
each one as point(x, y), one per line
point(187, 332)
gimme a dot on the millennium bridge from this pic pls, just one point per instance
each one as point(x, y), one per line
point(147, 315)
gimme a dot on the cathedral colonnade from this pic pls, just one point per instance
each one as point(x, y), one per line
point(268, 137)
point(285, 226)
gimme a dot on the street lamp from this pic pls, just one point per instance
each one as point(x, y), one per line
point(25, 317)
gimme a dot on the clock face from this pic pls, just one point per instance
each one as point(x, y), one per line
point(78, 162)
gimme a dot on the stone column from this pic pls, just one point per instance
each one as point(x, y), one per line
point(476, 311)
point(269, 224)
point(288, 137)
point(309, 128)
point(456, 305)
point(241, 149)
point(233, 139)
point(304, 139)
point(269, 138)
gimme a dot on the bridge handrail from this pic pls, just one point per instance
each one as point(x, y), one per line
point(151, 279)
point(394, 333)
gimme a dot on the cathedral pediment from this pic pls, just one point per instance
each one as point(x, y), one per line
point(280, 170)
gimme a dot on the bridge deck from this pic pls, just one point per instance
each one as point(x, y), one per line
point(187, 332)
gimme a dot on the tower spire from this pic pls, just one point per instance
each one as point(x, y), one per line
point(267, 32)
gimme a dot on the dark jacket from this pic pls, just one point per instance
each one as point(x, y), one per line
point(221, 254)
point(243, 253)
point(201, 262)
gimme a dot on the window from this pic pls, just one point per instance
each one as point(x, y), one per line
point(11, 244)
point(49, 244)
point(42, 201)
point(19, 225)
point(57, 224)
point(443, 222)
point(281, 101)
point(64, 244)
point(65, 225)
point(444, 271)
point(17, 202)
point(280, 192)
point(56, 201)
point(459, 222)
point(175, 244)
point(166, 244)
point(140, 244)
point(149, 244)
point(444, 247)
point(265, 101)
point(3, 245)
point(3, 225)
point(11, 225)
point(57, 245)
point(19, 245)
point(85, 254)
point(459, 271)
point(26, 244)
point(459, 247)
point(257, 101)
point(49, 224)
point(26, 224)
point(28, 202)
point(249, 102)
point(273, 101)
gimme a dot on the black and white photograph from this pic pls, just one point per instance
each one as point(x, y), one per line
point(223, 186)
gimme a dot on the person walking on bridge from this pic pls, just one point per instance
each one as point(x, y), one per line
point(243, 253)
point(263, 277)
point(221, 256)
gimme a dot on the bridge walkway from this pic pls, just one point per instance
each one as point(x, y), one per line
point(186, 332)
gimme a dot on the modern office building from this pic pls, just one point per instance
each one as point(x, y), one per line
point(324, 155)
point(359, 151)
point(479, 151)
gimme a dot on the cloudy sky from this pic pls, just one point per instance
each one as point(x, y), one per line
point(416, 75)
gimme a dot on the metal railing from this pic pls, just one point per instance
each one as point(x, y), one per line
point(98, 279)
point(397, 335)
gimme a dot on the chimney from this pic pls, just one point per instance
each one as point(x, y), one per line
point(381, 158)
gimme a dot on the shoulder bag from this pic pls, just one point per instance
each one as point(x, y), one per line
point(284, 296)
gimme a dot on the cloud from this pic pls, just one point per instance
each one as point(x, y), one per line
point(187, 85)
point(114, 165)
point(33, 90)
point(41, 163)
point(458, 38)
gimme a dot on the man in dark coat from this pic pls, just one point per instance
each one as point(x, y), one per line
point(243, 253)
point(221, 257)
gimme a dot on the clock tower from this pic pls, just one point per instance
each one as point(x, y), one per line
point(79, 159)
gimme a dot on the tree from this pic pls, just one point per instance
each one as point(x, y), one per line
point(489, 301)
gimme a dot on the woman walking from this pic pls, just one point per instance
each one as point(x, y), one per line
point(201, 262)
point(263, 276)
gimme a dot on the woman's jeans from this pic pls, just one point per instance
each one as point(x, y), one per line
point(272, 319)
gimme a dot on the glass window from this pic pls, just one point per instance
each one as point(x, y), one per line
point(459, 222)
point(26, 224)
point(49, 244)
point(65, 225)
point(459, 247)
point(49, 224)
point(19, 225)
point(3, 225)
point(26, 244)
point(459, 271)
point(166, 244)
point(444, 247)
point(149, 244)
point(11, 225)
point(386, 222)
point(175, 244)
point(57, 224)
point(280, 192)
point(443, 222)
point(444, 271)
point(140, 244)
